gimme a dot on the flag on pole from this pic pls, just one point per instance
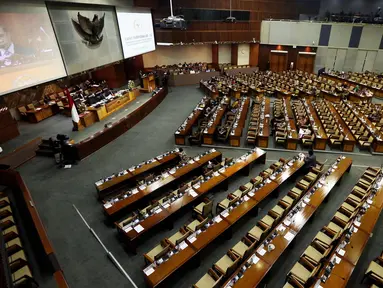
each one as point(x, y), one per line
point(72, 107)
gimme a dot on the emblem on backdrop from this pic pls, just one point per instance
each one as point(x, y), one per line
point(90, 31)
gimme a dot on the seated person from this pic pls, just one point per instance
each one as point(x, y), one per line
point(310, 161)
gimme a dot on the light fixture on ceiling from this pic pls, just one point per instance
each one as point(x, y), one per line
point(230, 19)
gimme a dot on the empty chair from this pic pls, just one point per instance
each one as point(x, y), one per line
point(178, 237)
point(375, 271)
point(210, 280)
point(315, 254)
point(243, 248)
point(258, 231)
point(204, 208)
point(227, 264)
point(324, 240)
point(365, 143)
point(302, 273)
point(157, 252)
point(197, 223)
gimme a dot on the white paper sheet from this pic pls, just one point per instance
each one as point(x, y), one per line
point(289, 236)
point(139, 228)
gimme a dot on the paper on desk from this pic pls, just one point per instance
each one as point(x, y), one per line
point(131, 169)
point(246, 198)
point(216, 173)
point(217, 219)
point(307, 200)
point(172, 171)
point(287, 222)
point(341, 252)
point(281, 228)
point(196, 186)
point(254, 259)
point(191, 161)
point(369, 201)
point(107, 205)
point(149, 270)
point(222, 170)
point(193, 194)
point(337, 259)
point(356, 223)
point(251, 194)
point(183, 245)
point(127, 229)
point(355, 229)
point(166, 205)
point(67, 166)
point(289, 236)
point(135, 191)
point(261, 251)
point(165, 175)
point(139, 228)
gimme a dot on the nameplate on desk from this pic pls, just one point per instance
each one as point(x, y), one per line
point(196, 186)
point(172, 171)
point(369, 201)
point(281, 228)
point(177, 132)
point(167, 205)
point(356, 223)
point(261, 251)
point(131, 169)
point(99, 183)
point(127, 229)
point(197, 158)
point(192, 238)
point(251, 194)
point(221, 170)
point(341, 252)
point(306, 200)
point(139, 228)
point(183, 245)
point(159, 210)
point(165, 175)
point(225, 213)
point(107, 205)
point(217, 219)
point(191, 162)
point(149, 270)
point(216, 173)
point(246, 198)
point(289, 236)
point(135, 191)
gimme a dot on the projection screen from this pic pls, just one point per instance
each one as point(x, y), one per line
point(136, 30)
point(29, 54)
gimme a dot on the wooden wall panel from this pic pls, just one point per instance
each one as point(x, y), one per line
point(214, 54)
point(234, 54)
point(202, 31)
point(254, 54)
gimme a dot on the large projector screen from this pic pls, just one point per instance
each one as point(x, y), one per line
point(29, 54)
point(136, 29)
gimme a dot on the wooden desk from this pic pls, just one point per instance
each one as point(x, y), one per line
point(377, 145)
point(236, 133)
point(330, 96)
point(263, 139)
point(190, 122)
point(349, 139)
point(293, 138)
point(253, 275)
point(40, 113)
point(320, 134)
point(208, 137)
point(149, 83)
point(212, 93)
point(131, 175)
point(149, 191)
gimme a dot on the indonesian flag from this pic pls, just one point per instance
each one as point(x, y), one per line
point(72, 107)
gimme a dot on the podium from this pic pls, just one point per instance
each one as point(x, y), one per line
point(9, 128)
point(149, 83)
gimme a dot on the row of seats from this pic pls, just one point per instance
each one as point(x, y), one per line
point(226, 265)
point(301, 113)
point(280, 123)
point(364, 137)
point(311, 261)
point(329, 123)
point(17, 259)
point(253, 129)
point(253, 183)
point(172, 196)
point(374, 272)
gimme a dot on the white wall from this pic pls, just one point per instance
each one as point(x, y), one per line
point(168, 55)
point(243, 54)
point(224, 54)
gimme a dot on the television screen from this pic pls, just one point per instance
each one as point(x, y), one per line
point(136, 30)
point(29, 54)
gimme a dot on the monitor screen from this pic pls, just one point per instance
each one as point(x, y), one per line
point(29, 54)
point(136, 30)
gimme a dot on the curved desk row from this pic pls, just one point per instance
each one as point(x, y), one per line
point(35, 231)
point(107, 135)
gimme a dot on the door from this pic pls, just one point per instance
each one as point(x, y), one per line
point(278, 61)
point(306, 62)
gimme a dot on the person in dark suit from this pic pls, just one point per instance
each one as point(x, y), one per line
point(310, 161)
